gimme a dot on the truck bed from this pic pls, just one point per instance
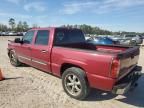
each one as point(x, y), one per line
point(127, 55)
point(112, 49)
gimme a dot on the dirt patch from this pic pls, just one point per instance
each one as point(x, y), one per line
point(27, 87)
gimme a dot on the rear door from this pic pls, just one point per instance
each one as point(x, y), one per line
point(24, 50)
point(40, 51)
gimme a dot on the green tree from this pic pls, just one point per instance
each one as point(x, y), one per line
point(12, 23)
point(19, 27)
point(3, 27)
point(25, 26)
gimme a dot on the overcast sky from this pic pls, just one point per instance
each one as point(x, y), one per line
point(115, 15)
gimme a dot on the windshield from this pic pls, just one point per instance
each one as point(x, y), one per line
point(130, 36)
point(102, 40)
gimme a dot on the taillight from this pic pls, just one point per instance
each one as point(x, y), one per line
point(115, 68)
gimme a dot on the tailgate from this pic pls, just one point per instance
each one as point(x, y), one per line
point(128, 60)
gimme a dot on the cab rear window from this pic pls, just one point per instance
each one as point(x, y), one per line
point(64, 36)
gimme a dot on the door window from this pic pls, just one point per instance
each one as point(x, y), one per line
point(27, 39)
point(42, 37)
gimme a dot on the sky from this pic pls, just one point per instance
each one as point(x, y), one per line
point(114, 15)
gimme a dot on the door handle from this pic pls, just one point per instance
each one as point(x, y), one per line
point(43, 51)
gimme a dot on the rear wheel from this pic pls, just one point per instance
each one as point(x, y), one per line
point(75, 83)
point(13, 59)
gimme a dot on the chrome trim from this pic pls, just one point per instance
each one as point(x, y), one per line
point(24, 58)
point(42, 63)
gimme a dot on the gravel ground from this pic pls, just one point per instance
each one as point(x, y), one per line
point(27, 87)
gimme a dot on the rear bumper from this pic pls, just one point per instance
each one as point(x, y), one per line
point(128, 82)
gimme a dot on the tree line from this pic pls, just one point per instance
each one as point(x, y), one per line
point(19, 27)
point(23, 26)
point(87, 29)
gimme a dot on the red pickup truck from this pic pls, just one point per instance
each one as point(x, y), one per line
point(65, 53)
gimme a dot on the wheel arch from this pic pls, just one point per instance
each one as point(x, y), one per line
point(65, 66)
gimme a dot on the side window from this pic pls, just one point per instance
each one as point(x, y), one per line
point(27, 38)
point(42, 37)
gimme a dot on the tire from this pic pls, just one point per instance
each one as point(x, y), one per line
point(75, 84)
point(13, 59)
point(133, 43)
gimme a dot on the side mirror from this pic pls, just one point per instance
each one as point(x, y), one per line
point(17, 40)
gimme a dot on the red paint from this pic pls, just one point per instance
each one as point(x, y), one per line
point(97, 64)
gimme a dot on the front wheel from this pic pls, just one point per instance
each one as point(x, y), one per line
point(13, 59)
point(75, 84)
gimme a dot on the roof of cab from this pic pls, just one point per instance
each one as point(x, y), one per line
point(48, 28)
point(42, 28)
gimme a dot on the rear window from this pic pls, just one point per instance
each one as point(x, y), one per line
point(68, 36)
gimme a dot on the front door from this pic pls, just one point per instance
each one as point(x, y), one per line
point(24, 50)
point(40, 51)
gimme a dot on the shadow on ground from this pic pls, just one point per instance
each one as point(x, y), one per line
point(24, 65)
point(97, 95)
point(134, 97)
point(12, 78)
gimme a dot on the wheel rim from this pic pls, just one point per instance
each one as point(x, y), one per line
point(13, 58)
point(73, 84)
